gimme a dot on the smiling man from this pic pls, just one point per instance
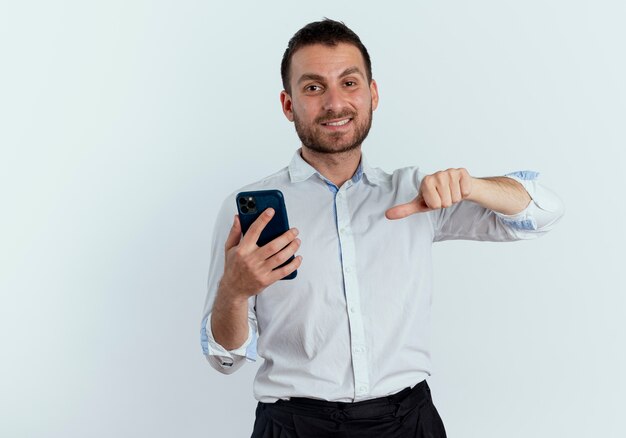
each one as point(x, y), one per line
point(347, 342)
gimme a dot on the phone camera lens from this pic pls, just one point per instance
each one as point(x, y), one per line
point(244, 209)
point(242, 201)
point(251, 205)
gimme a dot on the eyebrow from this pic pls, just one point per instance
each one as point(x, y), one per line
point(316, 77)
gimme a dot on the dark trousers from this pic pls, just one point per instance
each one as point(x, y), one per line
point(408, 414)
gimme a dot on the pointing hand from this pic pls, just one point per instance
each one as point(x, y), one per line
point(439, 190)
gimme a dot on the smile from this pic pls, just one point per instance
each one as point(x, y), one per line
point(337, 123)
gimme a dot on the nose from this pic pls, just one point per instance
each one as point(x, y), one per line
point(332, 99)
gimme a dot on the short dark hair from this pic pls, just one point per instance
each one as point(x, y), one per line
point(327, 32)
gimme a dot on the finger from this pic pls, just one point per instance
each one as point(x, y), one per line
point(431, 196)
point(421, 203)
point(466, 184)
point(401, 211)
point(283, 255)
point(235, 234)
point(455, 190)
point(285, 270)
point(279, 243)
point(444, 194)
point(251, 237)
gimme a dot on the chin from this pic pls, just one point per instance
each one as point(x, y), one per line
point(332, 149)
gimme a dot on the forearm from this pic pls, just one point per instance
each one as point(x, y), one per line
point(229, 318)
point(501, 194)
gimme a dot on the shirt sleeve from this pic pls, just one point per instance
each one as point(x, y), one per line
point(223, 360)
point(470, 221)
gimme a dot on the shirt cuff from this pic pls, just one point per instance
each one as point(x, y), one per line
point(227, 360)
point(544, 209)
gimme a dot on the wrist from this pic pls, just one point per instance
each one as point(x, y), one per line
point(478, 185)
point(231, 294)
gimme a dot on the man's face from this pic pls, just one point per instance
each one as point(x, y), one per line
point(331, 101)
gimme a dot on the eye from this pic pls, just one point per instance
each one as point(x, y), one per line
point(312, 88)
point(350, 83)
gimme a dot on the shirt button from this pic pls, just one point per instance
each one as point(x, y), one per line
point(362, 388)
point(352, 309)
point(348, 269)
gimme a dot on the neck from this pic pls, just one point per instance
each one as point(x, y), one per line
point(337, 168)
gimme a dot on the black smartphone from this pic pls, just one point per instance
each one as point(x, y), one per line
point(251, 204)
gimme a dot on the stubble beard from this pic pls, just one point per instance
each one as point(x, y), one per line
point(313, 138)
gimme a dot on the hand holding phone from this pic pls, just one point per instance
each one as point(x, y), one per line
point(251, 204)
point(259, 259)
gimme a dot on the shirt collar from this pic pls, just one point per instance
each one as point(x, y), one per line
point(300, 170)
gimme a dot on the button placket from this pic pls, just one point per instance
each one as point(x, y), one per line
point(355, 319)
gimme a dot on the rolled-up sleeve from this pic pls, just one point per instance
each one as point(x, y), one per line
point(542, 213)
point(223, 360)
point(470, 221)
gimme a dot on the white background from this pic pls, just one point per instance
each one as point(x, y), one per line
point(124, 124)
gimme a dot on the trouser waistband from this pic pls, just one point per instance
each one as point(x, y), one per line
point(394, 404)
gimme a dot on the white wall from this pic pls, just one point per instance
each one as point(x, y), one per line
point(125, 123)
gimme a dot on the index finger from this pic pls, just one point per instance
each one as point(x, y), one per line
point(401, 211)
point(254, 232)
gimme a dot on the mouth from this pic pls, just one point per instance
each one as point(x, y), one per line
point(337, 123)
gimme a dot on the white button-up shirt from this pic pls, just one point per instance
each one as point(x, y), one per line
point(355, 322)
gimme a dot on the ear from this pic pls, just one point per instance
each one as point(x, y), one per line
point(374, 93)
point(285, 101)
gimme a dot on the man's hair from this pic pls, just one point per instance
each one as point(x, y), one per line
point(327, 32)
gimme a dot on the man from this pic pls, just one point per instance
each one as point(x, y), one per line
point(346, 343)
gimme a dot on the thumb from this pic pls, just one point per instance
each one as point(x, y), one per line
point(417, 205)
point(235, 234)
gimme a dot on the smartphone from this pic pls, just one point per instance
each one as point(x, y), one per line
point(251, 204)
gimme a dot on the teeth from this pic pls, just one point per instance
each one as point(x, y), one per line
point(340, 123)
